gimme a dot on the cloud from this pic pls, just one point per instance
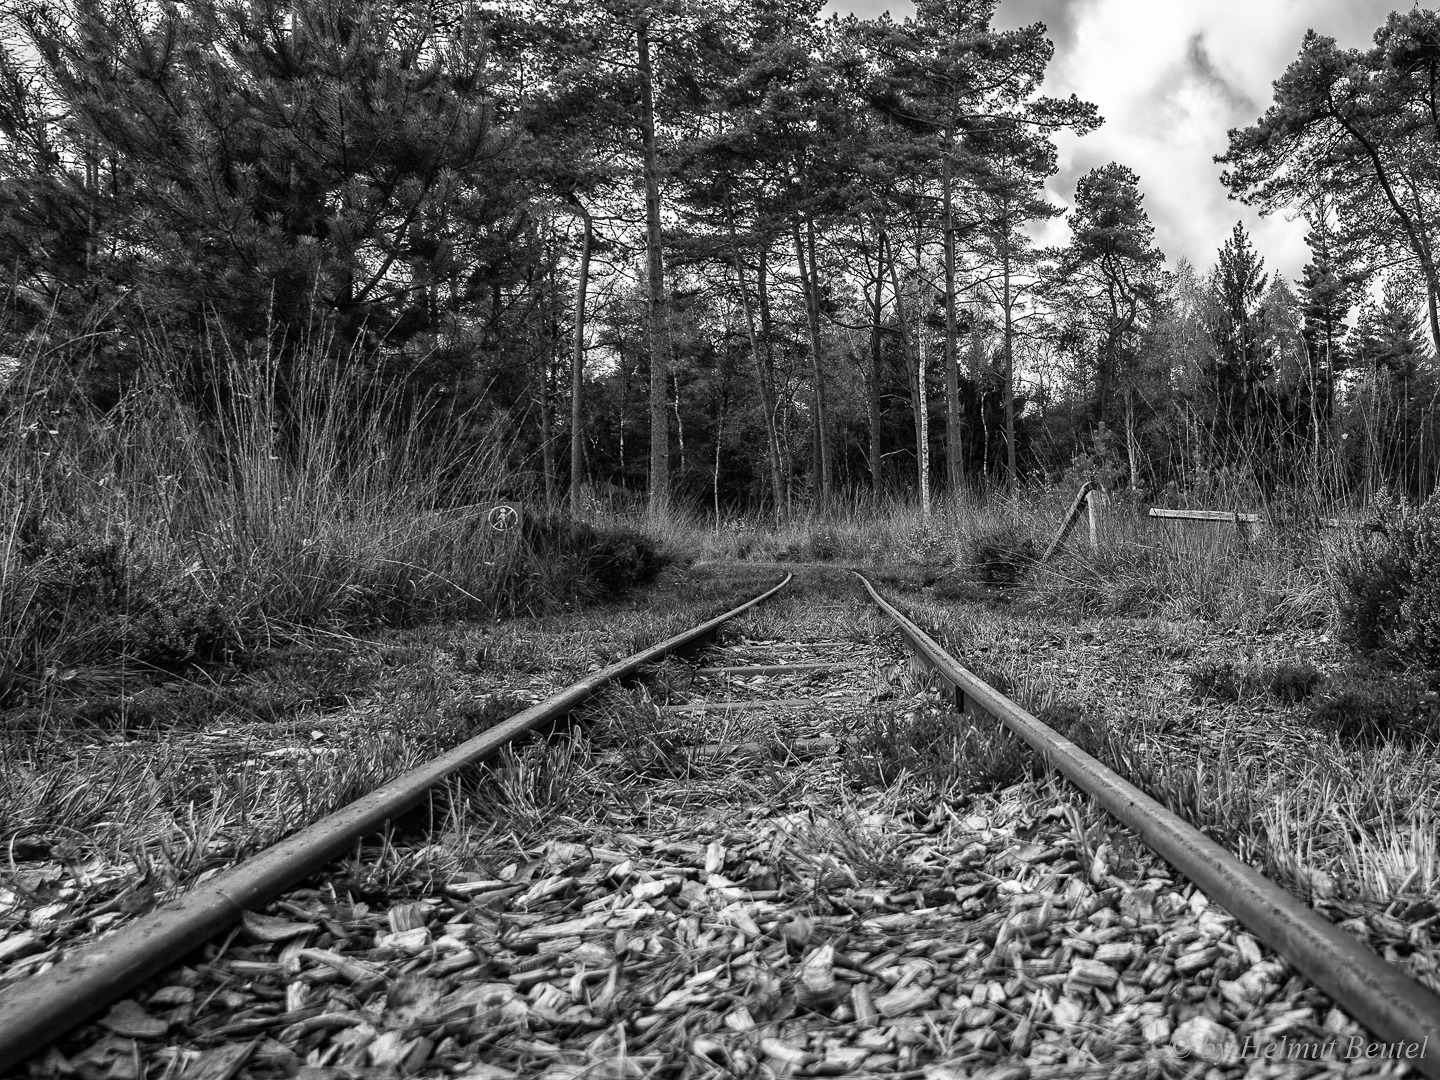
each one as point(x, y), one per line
point(1199, 64)
point(1171, 77)
point(1061, 17)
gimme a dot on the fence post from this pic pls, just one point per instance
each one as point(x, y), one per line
point(1095, 502)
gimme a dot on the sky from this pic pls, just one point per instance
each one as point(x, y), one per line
point(1171, 77)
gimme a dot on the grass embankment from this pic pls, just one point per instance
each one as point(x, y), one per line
point(1281, 575)
point(159, 533)
point(203, 615)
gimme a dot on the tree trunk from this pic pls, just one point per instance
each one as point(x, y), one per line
point(924, 395)
point(915, 376)
point(547, 440)
point(549, 341)
point(767, 339)
point(719, 439)
point(577, 370)
point(954, 470)
point(872, 387)
point(679, 427)
point(1132, 444)
point(1011, 473)
point(810, 285)
point(764, 377)
point(659, 503)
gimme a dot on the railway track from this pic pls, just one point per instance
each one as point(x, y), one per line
point(732, 900)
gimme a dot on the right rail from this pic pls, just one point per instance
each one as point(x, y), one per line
point(1384, 999)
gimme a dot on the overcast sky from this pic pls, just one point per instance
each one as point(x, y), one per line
point(1170, 77)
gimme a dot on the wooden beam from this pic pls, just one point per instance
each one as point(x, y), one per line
point(1071, 519)
point(1206, 515)
point(1345, 523)
point(761, 703)
point(770, 669)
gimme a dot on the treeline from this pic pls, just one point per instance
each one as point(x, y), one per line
point(726, 254)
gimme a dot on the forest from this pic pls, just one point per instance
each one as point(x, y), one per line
point(729, 257)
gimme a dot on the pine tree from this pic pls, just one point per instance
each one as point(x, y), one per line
point(1329, 286)
point(1109, 274)
point(1388, 335)
point(946, 75)
point(1239, 365)
point(280, 166)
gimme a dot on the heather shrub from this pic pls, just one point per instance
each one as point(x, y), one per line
point(1001, 555)
point(1366, 708)
point(1389, 596)
point(1292, 682)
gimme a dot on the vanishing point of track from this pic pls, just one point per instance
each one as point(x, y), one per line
point(1394, 1008)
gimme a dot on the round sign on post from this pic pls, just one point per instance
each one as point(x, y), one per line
point(503, 518)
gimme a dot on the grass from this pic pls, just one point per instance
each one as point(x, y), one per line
point(942, 755)
point(220, 621)
point(1323, 775)
point(204, 773)
point(1316, 772)
point(250, 550)
point(975, 547)
point(164, 531)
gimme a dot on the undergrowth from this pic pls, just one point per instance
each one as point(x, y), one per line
point(161, 531)
point(1390, 584)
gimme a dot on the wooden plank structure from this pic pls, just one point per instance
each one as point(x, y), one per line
point(1206, 515)
point(1346, 523)
point(1241, 520)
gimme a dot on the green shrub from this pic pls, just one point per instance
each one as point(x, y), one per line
point(1389, 597)
point(1376, 708)
point(1084, 727)
point(90, 598)
point(156, 533)
point(1002, 555)
point(824, 546)
point(1292, 683)
point(1217, 680)
point(601, 562)
point(971, 752)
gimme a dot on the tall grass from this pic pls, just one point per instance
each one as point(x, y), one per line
point(295, 492)
point(1281, 573)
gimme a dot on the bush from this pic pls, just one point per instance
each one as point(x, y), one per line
point(824, 546)
point(78, 597)
point(1288, 682)
point(159, 534)
point(1001, 556)
point(1218, 680)
point(1390, 585)
point(1375, 709)
point(1292, 683)
point(597, 562)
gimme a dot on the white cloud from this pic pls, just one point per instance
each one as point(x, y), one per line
point(1171, 77)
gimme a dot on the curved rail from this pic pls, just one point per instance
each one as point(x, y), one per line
point(36, 1011)
point(1375, 993)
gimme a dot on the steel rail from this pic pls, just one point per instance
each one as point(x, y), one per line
point(38, 1010)
point(1377, 994)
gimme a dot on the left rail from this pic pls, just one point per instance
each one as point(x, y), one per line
point(36, 1011)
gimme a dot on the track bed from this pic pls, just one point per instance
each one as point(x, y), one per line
point(744, 873)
